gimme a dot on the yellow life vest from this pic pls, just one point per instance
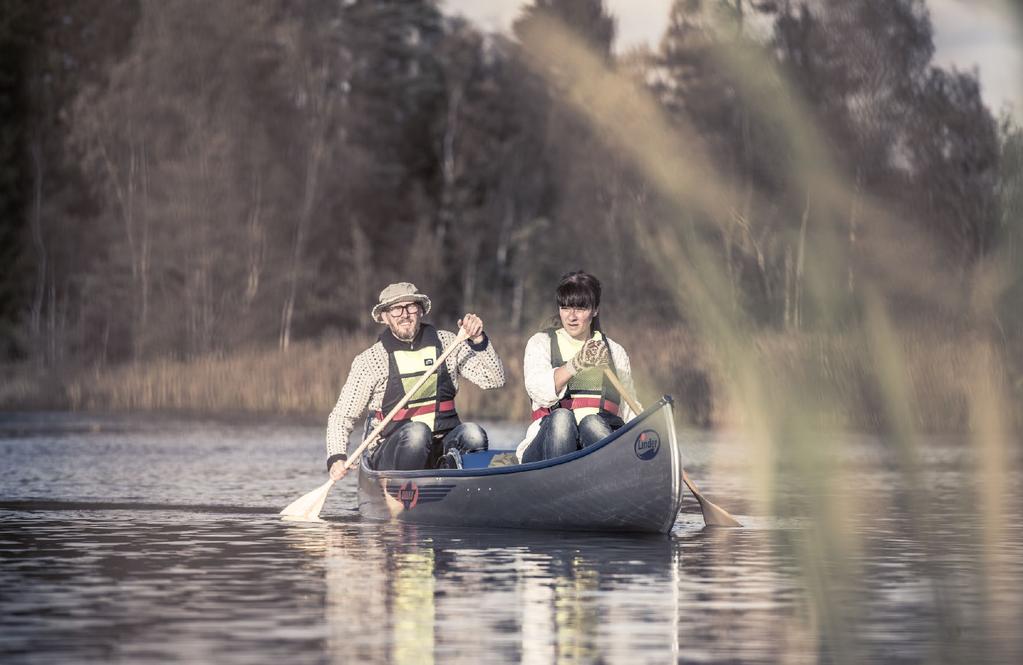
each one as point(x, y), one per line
point(434, 403)
point(589, 391)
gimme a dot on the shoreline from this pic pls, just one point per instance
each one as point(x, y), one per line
point(834, 375)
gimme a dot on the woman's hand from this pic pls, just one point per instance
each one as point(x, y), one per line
point(593, 354)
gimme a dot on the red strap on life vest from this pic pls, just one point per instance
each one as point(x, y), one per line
point(580, 403)
point(405, 414)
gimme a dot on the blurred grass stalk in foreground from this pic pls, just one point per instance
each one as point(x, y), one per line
point(783, 429)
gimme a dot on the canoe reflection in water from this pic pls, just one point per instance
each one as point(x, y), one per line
point(402, 593)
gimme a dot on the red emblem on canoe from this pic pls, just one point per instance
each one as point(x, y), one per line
point(408, 494)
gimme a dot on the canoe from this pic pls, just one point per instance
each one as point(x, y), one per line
point(629, 481)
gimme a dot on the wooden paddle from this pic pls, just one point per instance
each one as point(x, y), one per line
point(713, 515)
point(307, 507)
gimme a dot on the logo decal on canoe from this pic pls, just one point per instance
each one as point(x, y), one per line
point(411, 495)
point(408, 494)
point(647, 444)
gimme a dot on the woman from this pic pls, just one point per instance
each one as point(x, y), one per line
point(574, 403)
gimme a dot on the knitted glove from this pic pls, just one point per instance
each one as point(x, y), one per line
point(593, 354)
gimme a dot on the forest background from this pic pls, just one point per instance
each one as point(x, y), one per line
point(787, 203)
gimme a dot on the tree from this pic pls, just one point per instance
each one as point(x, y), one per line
point(865, 70)
point(16, 25)
point(68, 47)
point(186, 162)
point(321, 66)
point(953, 151)
point(1010, 233)
point(588, 19)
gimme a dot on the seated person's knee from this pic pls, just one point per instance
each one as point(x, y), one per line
point(562, 416)
point(593, 428)
point(407, 448)
point(562, 420)
point(417, 435)
point(474, 438)
point(467, 438)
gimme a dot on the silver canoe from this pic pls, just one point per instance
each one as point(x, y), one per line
point(629, 481)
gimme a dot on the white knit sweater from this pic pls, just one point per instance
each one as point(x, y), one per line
point(539, 379)
point(367, 380)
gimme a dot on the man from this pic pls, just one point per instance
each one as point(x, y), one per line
point(427, 432)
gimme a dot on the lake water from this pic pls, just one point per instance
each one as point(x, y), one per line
point(155, 539)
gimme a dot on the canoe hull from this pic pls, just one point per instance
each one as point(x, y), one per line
point(630, 481)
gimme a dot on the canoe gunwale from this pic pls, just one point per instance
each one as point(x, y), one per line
point(651, 411)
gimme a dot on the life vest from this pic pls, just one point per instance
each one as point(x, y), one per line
point(434, 403)
point(589, 391)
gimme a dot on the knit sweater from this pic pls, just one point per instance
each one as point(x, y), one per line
point(539, 379)
point(363, 391)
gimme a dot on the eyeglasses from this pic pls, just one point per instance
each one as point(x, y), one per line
point(579, 311)
point(411, 309)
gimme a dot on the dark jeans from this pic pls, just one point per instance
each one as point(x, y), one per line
point(413, 446)
point(559, 434)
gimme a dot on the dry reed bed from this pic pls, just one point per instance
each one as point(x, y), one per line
point(307, 378)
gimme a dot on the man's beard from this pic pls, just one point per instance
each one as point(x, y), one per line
point(403, 336)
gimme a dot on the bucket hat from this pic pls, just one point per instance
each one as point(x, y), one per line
point(396, 293)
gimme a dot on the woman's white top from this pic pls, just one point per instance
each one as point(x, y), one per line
point(539, 379)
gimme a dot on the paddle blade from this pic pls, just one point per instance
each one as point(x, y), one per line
point(713, 515)
point(307, 507)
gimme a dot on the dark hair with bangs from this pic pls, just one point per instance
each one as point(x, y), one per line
point(578, 289)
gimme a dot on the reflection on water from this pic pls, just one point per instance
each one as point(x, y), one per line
point(405, 594)
point(127, 541)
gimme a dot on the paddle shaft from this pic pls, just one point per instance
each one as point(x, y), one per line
point(713, 514)
point(617, 383)
point(462, 336)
